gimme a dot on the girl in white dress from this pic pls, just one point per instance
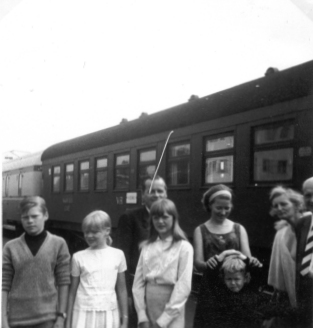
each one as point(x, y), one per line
point(96, 273)
point(162, 281)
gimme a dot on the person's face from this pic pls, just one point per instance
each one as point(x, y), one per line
point(96, 238)
point(158, 191)
point(163, 225)
point(33, 221)
point(235, 281)
point(308, 197)
point(284, 209)
point(220, 208)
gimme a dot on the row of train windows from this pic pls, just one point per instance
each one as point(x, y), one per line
point(272, 161)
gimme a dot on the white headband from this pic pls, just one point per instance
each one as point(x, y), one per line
point(218, 193)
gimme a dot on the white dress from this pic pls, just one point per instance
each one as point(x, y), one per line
point(96, 303)
point(162, 282)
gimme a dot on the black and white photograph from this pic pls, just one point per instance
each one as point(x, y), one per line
point(157, 163)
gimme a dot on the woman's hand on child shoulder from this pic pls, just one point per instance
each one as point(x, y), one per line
point(212, 262)
point(254, 262)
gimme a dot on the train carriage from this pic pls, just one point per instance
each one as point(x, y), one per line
point(250, 137)
point(20, 177)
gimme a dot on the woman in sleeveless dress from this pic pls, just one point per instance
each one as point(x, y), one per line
point(210, 239)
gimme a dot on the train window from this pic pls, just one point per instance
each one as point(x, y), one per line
point(178, 173)
point(219, 159)
point(84, 176)
point(69, 177)
point(273, 154)
point(147, 164)
point(20, 181)
point(56, 178)
point(101, 182)
point(122, 171)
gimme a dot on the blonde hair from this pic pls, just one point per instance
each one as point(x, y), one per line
point(293, 196)
point(234, 264)
point(97, 220)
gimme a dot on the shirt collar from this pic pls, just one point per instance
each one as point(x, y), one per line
point(166, 240)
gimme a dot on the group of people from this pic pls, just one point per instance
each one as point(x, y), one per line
point(144, 278)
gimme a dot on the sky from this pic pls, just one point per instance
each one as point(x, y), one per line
point(68, 68)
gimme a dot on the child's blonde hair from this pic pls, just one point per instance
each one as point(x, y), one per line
point(234, 264)
point(97, 220)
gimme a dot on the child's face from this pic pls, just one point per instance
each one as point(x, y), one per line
point(96, 238)
point(235, 281)
point(163, 224)
point(33, 221)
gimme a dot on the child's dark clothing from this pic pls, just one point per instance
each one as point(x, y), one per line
point(222, 308)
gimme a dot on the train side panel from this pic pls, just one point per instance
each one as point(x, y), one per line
point(251, 205)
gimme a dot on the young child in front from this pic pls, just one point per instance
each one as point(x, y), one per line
point(96, 273)
point(35, 272)
point(234, 303)
point(162, 281)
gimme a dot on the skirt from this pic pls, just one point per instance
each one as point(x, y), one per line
point(156, 298)
point(95, 319)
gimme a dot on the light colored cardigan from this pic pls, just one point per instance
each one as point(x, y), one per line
point(31, 280)
point(282, 271)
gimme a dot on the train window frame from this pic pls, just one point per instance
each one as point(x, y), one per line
point(123, 167)
point(146, 164)
point(284, 145)
point(170, 160)
point(100, 170)
point(227, 153)
point(66, 174)
point(83, 171)
point(6, 185)
point(56, 175)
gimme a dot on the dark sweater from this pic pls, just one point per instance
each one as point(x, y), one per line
point(31, 280)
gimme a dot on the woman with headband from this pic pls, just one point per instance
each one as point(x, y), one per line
point(212, 238)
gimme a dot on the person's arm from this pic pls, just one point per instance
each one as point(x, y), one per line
point(4, 310)
point(182, 287)
point(62, 304)
point(244, 242)
point(199, 261)
point(139, 293)
point(71, 299)
point(7, 278)
point(122, 298)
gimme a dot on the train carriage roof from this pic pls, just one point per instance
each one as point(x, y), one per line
point(23, 162)
point(292, 83)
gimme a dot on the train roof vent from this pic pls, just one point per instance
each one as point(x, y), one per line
point(271, 70)
point(124, 120)
point(193, 98)
point(143, 115)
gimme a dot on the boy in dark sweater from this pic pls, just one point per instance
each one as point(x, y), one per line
point(35, 273)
